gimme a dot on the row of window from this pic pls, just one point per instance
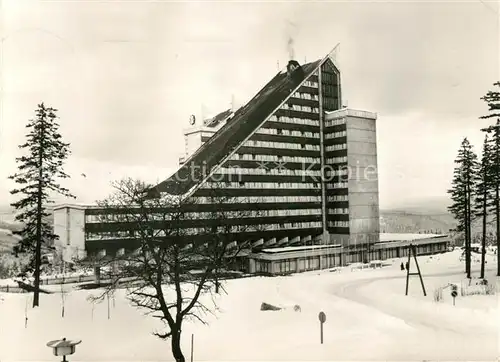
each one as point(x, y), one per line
point(311, 84)
point(338, 211)
point(336, 147)
point(294, 120)
point(285, 266)
point(286, 132)
point(329, 78)
point(267, 170)
point(262, 199)
point(335, 134)
point(340, 159)
point(294, 225)
point(335, 122)
point(285, 145)
point(110, 218)
point(109, 235)
point(337, 198)
point(271, 158)
point(208, 215)
point(296, 107)
point(336, 185)
point(251, 213)
point(308, 96)
point(339, 172)
point(197, 231)
point(288, 212)
point(263, 185)
point(296, 264)
point(133, 234)
point(330, 104)
point(332, 260)
point(208, 200)
point(338, 224)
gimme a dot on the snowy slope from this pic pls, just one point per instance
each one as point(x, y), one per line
point(368, 318)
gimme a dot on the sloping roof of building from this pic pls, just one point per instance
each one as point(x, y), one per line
point(386, 237)
point(244, 121)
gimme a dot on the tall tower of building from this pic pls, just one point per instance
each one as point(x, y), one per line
point(291, 153)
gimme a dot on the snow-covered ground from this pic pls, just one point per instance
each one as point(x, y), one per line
point(368, 317)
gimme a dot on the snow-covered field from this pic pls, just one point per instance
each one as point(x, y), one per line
point(368, 318)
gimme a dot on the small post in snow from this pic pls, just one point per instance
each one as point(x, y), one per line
point(322, 320)
point(192, 346)
point(107, 298)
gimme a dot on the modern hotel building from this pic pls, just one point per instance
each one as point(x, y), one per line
point(301, 166)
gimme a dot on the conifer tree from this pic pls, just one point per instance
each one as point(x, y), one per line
point(462, 191)
point(38, 171)
point(483, 197)
point(492, 99)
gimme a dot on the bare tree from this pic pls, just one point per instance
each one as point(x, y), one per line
point(228, 216)
point(178, 254)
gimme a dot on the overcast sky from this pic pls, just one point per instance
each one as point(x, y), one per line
point(126, 75)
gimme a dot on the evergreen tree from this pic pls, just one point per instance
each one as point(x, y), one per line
point(483, 196)
point(492, 99)
point(37, 173)
point(463, 186)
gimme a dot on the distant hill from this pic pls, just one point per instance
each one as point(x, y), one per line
point(418, 216)
point(399, 221)
point(8, 222)
point(7, 240)
point(425, 206)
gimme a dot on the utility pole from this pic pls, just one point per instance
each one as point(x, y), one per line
point(414, 252)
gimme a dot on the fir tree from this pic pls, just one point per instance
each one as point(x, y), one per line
point(483, 196)
point(38, 171)
point(492, 99)
point(463, 186)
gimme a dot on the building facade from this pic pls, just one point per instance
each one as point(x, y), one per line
point(278, 261)
point(301, 166)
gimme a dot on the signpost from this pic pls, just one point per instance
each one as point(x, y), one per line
point(322, 320)
point(454, 292)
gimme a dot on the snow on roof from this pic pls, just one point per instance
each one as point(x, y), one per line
point(73, 206)
point(384, 237)
point(300, 248)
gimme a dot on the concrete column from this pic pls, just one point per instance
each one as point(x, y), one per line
point(322, 262)
point(274, 267)
point(251, 266)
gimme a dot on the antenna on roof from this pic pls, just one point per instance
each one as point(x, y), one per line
point(232, 102)
point(305, 60)
point(202, 113)
point(278, 63)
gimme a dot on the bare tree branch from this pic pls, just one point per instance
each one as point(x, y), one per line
point(169, 265)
